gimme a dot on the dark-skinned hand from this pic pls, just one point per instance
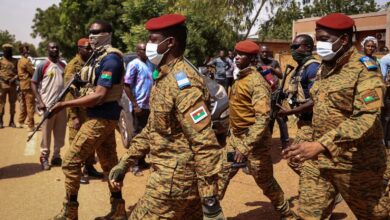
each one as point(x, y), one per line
point(283, 111)
point(239, 157)
point(57, 108)
point(303, 151)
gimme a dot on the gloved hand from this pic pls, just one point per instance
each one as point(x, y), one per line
point(212, 209)
point(117, 174)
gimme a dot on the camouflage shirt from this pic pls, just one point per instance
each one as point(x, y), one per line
point(178, 136)
point(72, 68)
point(249, 104)
point(347, 102)
point(25, 72)
point(8, 70)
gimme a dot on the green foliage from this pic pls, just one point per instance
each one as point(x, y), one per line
point(212, 25)
point(6, 37)
point(324, 7)
point(279, 26)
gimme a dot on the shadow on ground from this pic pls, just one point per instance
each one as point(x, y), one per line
point(19, 170)
point(263, 211)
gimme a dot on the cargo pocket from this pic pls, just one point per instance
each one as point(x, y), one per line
point(183, 180)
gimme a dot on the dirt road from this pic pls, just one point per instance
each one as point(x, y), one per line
point(27, 193)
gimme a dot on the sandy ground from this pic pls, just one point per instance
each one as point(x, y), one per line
point(28, 193)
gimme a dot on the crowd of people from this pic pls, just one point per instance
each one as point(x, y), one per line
point(339, 151)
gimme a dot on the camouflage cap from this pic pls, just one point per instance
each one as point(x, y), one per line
point(7, 45)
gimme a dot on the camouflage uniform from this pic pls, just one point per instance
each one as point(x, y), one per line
point(95, 134)
point(73, 67)
point(25, 72)
point(8, 70)
point(184, 153)
point(249, 118)
point(347, 101)
point(297, 96)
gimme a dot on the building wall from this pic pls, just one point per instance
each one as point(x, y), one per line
point(375, 24)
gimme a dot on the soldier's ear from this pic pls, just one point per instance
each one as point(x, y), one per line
point(171, 42)
point(345, 39)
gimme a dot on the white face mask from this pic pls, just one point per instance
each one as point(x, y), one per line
point(325, 51)
point(152, 54)
point(99, 40)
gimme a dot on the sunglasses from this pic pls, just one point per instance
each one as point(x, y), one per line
point(94, 32)
point(295, 46)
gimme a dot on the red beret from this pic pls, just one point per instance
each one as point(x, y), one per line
point(164, 21)
point(247, 46)
point(336, 21)
point(83, 42)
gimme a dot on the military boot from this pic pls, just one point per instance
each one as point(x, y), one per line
point(68, 212)
point(11, 122)
point(285, 212)
point(1, 121)
point(118, 211)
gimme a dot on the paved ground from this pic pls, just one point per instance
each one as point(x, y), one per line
point(28, 193)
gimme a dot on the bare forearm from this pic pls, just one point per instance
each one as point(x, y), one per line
point(306, 107)
point(278, 72)
point(130, 95)
point(86, 101)
point(34, 88)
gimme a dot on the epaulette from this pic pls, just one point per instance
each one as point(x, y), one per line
point(369, 63)
point(182, 80)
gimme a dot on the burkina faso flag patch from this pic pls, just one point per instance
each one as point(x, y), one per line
point(199, 114)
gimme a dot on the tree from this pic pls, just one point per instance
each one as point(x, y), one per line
point(6, 37)
point(70, 20)
point(212, 25)
point(279, 26)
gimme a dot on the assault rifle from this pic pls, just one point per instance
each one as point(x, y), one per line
point(76, 81)
point(277, 97)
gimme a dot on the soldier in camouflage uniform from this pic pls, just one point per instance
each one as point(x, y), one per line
point(104, 76)
point(347, 136)
point(77, 116)
point(298, 90)
point(25, 73)
point(250, 136)
point(183, 149)
point(8, 77)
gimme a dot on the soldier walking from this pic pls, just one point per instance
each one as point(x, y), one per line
point(76, 115)
point(250, 137)
point(183, 149)
point(97, 133)
point(347, 140)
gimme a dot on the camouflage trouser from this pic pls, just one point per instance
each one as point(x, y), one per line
point(94, 134)
point(151, 208)
point(260, 167)
point(304, 133)
point(361, 189)
point(12, 97)
point(72, 134)
point(27, 107)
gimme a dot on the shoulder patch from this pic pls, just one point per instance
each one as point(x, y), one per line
point(369, 63)
point(198, 114)
point(182, 80)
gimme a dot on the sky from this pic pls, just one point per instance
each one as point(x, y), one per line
point(17, 16)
